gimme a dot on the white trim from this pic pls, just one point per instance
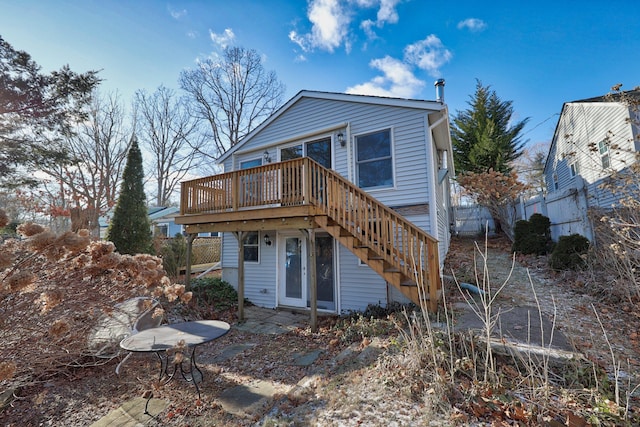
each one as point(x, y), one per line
point(433, 208)
point(349, 147)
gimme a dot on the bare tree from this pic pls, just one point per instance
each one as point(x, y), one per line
point(233, 94)
point(530, 166)
point(171, 134)
point(86, 186)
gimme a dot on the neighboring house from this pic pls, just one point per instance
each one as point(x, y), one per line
point(593, 138)
point(163, 221)
point(359, 184)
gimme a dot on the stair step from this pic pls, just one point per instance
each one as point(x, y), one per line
point(391, 270)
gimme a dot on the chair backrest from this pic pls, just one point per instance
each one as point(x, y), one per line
point(127, 318)
point(147, 320)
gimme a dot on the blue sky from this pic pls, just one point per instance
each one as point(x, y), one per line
point(538, 54)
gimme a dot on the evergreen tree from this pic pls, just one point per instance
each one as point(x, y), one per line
point(130, 228)
point(35, 110)
point(484, 136)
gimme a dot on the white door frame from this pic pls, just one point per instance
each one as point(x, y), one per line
point(282, 265)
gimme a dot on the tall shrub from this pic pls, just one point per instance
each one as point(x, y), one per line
point(533, 236)
point(570, 252)
point(130, 228)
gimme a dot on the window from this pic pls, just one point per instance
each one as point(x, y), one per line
point(603, 149)
point(574, 169)
point(162, 230)
point(251, 246)
point(555, 181)
point(319, 150)
point(374, 163)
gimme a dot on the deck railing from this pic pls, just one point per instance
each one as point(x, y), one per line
point(275, 184)
point(303, 181)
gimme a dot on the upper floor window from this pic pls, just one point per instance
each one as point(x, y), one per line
point(555, 181)
point(574, 169)
point(374, 162)
point(603, 149)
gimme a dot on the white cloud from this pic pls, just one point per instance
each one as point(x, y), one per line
point(329, 28)
point(428, 55)
point(367, 26)
point(331, 22)
point(387, 12)
point(397, 80)
point(398, 77)
point(223, 39)
point(472, 24)
point(177, 14)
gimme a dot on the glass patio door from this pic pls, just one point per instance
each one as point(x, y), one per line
point(319, 150)
point(292, 258)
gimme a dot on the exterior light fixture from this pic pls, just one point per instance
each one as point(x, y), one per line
point(267, 240)
point(266, 156)
point(341, 139)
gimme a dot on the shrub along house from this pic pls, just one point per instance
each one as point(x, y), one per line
point(333, 203)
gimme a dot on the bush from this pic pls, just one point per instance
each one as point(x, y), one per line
point(569, 251)
point(214, 292)
point(174, 254)
point(541, 225)
point(532, 236)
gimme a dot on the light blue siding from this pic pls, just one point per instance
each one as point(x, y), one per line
point(259, 278)
point(408, 136)
point(359, 285)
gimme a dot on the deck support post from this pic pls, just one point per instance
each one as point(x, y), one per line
point(313, 281)
point(188, 260)
point(240, 236)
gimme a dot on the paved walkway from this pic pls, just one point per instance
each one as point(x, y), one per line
point(241, 400)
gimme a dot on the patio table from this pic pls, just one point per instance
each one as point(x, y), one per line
point(177, 340)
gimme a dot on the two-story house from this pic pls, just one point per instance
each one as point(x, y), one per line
point(593, 138)
point(335, 202)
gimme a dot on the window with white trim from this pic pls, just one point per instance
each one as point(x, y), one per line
point(374, 161)
point(251, 246)
point(574, 169)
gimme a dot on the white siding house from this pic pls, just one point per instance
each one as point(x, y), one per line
point(593, 138)
point(398, 151)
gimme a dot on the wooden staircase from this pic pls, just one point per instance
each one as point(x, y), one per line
point(401, 253)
